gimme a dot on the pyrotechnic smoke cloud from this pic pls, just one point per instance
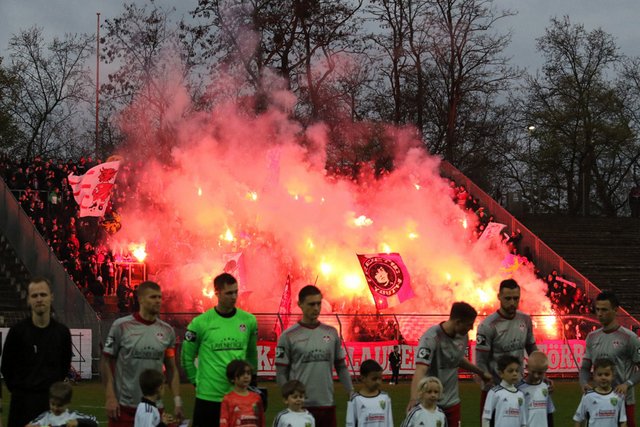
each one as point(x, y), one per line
point(239, 182)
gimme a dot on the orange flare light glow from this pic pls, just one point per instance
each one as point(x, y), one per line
point(138, 250)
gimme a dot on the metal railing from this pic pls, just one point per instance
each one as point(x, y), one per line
point(544, 258)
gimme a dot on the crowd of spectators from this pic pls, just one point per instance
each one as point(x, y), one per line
point(568, 300)
point(42, 189)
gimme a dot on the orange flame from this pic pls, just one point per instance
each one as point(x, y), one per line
point(138, 250)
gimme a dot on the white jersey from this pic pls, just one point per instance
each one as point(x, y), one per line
point(289, 418)
point(147, 415)
point(601, 410)
point(538, 402)
point(420, 416)
point(505, 407)
point(365, 411)
point(50, 419)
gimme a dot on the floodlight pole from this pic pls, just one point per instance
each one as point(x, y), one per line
point(97, 84)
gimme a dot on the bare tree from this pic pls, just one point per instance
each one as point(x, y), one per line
point(51, 85)
point(582, 146)
point(297, 40)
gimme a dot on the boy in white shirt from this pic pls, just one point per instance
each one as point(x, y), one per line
point(293, 393)
point(152, 387)
point(601, 407)
point(59, 414)
point(505, 406)
point(537, 398)
point(427, 413)
point(370, 406)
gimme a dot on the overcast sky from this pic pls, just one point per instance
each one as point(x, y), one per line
point(618, 17)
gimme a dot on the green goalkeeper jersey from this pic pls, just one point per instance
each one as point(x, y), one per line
point(216, 340)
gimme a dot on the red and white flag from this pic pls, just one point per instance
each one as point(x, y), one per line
point(285, 308)
point(234, 265)
point(93, 189)
point(387, 277)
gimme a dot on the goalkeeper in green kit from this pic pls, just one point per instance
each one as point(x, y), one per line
point(217, 337)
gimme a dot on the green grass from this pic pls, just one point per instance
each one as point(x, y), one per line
point(89, 397)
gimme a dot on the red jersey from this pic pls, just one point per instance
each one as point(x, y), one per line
point(238, 410)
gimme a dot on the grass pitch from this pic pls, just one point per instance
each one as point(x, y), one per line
point(88, 397)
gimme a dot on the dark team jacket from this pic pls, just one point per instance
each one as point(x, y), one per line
point(33, 358)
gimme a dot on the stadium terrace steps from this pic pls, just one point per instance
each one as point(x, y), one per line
point(605, 250)
point(13, 280)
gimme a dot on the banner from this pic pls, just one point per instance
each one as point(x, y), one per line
point(492, 230)
point(80, 347)
point(564, 357)
point(93, 189)
point(388, 279)
point(234, 265)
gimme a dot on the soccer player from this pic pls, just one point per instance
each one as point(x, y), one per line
point(308, 351)
point(618, 344)
point(136, 343)
point(427, 413)
point(295, 415)
point(441, 352)
point(370, 406)
point(601, 406)
point(37, 353)
point(508, 331)
point(536, 392)
point(504, 406)
point(217, 337)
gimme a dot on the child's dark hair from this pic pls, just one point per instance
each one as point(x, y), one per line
point(150, 381)
point(61, 392)
point(369, 366)
point(603, 363)
point(291, 387)
point(237, 367)
point(507, 360)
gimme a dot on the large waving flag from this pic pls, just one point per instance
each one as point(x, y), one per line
point(388, 279)
point(93, 189)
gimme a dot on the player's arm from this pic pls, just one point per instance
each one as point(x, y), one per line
point(67, 354)
point(340, 365)
point(174, 381)
point(10, 359)
point(252, 352)
point(343, 375)
point(107, 367)
point(189, 351)
point(585, 374)
point(484, 346)
point(111, 401)
point(468, 366)
point(634, 356)
point(282, 360)
point(418, 374)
